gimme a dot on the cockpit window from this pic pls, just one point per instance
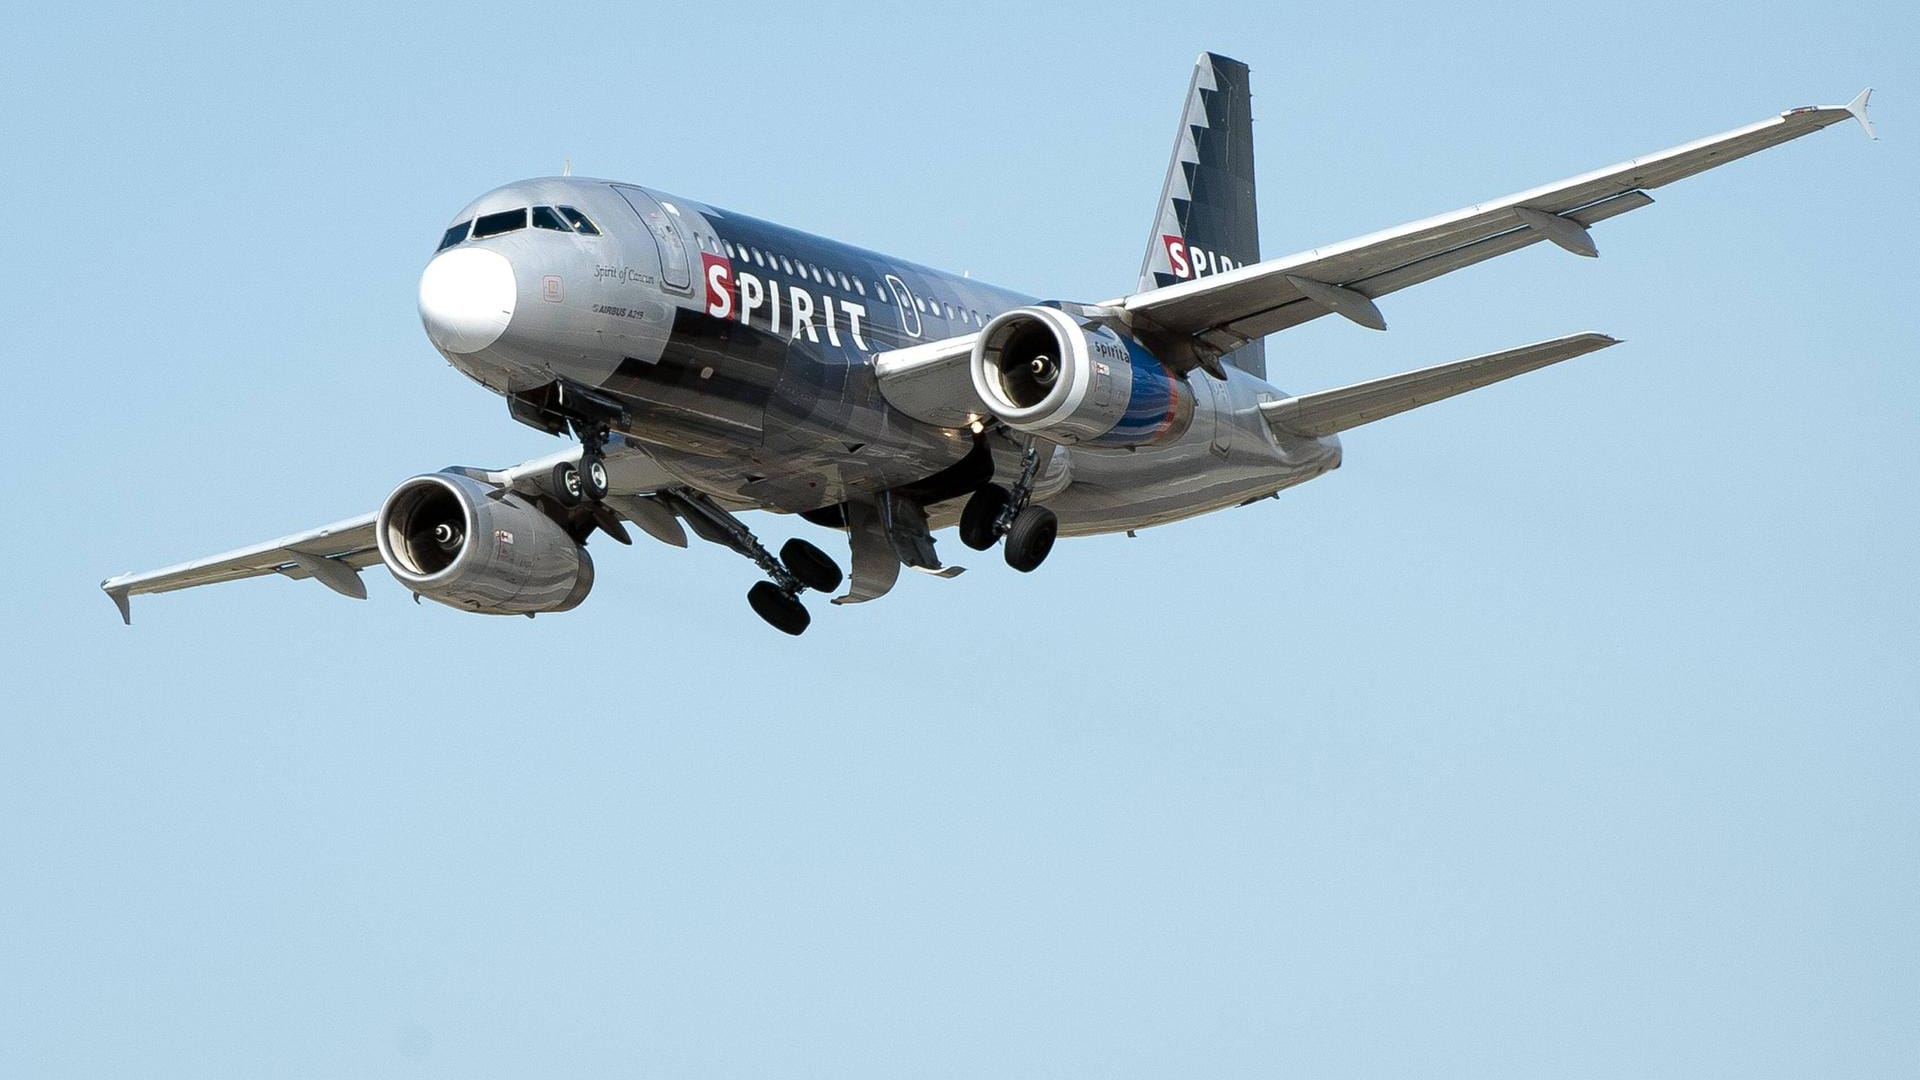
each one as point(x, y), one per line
point(505, 221)
point(579, 221)
point(454, 236)
point(544, 217)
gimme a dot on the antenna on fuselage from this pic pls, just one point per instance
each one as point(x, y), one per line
point(566, 167)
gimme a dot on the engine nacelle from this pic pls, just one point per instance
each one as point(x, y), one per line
point(462, 542)
point(1046, 373)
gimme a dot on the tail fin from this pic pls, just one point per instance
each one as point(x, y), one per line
point(1208, 221)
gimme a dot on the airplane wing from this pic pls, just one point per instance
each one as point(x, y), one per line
point(1224, 311)
point(1330, 411)
point(930, 381)
point(1221, 312)
point(335, 554)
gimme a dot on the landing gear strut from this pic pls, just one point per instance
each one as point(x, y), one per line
point(799, 567)
point(994, 512)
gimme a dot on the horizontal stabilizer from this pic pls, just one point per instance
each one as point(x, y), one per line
point(1330, 411)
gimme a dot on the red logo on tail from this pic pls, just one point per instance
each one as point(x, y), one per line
point(1177, 256)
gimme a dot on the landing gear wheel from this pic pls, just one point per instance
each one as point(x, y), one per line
point(982, 513)
point(782, 610)
point(567, 485)
point(1034, 530)
point(593, 478)
point(812, 566)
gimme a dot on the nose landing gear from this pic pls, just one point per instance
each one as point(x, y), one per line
point(560, 406)
point(585, 480)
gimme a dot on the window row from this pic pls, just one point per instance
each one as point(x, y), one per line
point(799, 268)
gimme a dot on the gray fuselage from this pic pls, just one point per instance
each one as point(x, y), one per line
point(743, 352)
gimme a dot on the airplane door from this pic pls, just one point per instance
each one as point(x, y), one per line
point(676, 269)
point(1222, 414)
point(909, 315)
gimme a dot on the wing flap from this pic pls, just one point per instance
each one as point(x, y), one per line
point(1331, 411)
point(931, 382)
point(1300, 309)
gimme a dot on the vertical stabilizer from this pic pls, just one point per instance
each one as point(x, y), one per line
point(1207, 220)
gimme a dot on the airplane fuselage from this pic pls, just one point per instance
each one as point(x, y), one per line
point(743, 352)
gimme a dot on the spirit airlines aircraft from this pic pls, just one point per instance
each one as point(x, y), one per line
point(711, 363)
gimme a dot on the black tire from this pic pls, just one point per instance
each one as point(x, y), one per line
point(781, 611)
point(567, 485)
point(593, 478)
point(982, 510)
point(815, 569)
point(1034, 530)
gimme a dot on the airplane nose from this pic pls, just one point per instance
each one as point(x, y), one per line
point(466, 298)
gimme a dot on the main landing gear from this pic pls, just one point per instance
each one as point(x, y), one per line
point(995, 512)
point(800, 566)
point(561, 406)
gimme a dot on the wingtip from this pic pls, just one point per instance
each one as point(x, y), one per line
point(122, 599)
point(1858, 109)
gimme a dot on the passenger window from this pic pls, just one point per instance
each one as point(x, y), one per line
point(859, 286)
point(454, 236)
point(578, 220)
point(505, 221)
point(545, 217)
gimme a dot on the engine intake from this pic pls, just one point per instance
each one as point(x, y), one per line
point(1047, 373)
point(466, 544)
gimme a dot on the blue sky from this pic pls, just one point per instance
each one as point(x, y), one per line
point(1568, 729)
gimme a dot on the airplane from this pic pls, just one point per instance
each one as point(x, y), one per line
point(707, 364)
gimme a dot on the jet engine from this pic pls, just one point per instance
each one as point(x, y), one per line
point(1044, 372)
point(469, 545)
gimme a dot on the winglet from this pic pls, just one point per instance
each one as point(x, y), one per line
point(1858, 107)
point(121, 599)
